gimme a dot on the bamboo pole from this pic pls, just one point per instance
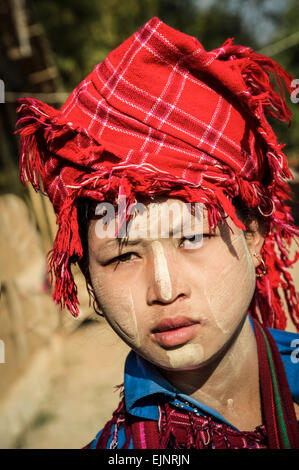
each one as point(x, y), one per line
point(18, 9)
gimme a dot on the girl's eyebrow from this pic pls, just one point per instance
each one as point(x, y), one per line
point(179, 229)
point(124, 241)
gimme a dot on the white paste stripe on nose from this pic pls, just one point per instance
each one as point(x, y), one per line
point(162, 276)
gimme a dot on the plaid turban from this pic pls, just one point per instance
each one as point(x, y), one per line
point(163, 116)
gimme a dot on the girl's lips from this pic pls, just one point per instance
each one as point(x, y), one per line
point(175, 336)
point(171, 323)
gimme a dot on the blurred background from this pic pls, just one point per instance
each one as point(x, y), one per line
point(57, 373)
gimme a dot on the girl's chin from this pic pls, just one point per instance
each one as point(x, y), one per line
point(161, 364)
point(181, 368)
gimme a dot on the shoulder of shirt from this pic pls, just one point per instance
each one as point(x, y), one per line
point(288, 346)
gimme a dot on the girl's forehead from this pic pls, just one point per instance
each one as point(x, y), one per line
point(159, 207)
point(160, 218)
point(169, 218)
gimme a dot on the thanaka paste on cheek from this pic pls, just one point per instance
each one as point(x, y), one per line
point(119, 310)
point(162, 276)
point(218, 294)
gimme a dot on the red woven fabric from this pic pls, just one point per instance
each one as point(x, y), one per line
point(178, 430)
point(181, 430)
point(160, 115)
point(145, 435)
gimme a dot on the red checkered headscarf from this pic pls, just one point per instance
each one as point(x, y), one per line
point(162, 116)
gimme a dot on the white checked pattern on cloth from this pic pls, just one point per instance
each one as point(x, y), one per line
point(158, 111)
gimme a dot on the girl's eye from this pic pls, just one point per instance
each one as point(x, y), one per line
point(194, 241)
point(123, 258)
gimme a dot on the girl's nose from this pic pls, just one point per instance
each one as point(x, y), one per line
point(166, 284)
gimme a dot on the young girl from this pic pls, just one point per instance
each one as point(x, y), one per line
point(170, 191)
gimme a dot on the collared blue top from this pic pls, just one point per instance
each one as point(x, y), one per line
point(144, 385)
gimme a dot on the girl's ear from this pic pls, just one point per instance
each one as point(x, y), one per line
point(255, 237)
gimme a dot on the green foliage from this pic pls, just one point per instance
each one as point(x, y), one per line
point(288, 58)
point(83, 33)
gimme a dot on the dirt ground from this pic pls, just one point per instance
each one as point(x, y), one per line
point(82, 397)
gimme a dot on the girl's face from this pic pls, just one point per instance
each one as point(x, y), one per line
point(175, 301)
